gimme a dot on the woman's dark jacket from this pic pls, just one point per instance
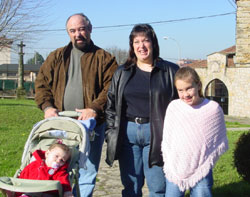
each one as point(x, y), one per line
point(162, 91)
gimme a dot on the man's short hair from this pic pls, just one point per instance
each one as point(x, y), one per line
point(84, 16)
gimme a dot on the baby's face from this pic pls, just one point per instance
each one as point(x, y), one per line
point(56, 156)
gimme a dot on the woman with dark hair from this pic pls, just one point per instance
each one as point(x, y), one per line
point(139, 94)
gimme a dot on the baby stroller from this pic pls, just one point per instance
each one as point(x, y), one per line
point(65, 129)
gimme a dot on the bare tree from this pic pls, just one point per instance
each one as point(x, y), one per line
point(20, 18)
point(121, 55)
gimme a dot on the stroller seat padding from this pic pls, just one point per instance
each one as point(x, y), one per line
point(27, 185)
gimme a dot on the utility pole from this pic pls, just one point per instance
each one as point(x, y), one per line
point(20, 89)
point(35, 58)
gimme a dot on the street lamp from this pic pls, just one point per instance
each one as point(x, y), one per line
point(178, 45)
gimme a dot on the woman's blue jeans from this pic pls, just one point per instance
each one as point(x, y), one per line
point(201, 189)
point(133, 161)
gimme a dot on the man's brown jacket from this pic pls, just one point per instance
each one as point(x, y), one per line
point(97, 67)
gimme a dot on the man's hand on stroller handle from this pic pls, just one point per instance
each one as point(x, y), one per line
point(50, 112)
point(86, 113)
point(83, 114)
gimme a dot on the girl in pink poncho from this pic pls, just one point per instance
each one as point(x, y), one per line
point(194, 136)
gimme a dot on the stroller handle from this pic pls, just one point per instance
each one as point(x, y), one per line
point(71, 114)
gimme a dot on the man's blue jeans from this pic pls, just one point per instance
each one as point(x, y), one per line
point(201, 189)
point(133, 162)
point(87, 177)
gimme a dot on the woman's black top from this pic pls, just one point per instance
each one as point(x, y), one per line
point(136, 95)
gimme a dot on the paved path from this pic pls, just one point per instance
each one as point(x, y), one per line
point(239, 129)
point(239, 120)
point(108, 179)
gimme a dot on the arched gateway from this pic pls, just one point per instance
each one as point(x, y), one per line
point(216, 90)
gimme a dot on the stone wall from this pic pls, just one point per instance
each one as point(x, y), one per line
point(236, 79)
point(243, 33)
point(240, 94)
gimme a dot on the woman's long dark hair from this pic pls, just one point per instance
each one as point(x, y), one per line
point(148, 31)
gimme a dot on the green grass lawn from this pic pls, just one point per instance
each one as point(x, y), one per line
point(227, 182)
point(17, 118)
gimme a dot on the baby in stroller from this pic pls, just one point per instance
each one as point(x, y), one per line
point(64, 129)
point(50, 165)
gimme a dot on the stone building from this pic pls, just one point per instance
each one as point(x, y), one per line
point(5, 49)
point(225, 75)
point(10, 71)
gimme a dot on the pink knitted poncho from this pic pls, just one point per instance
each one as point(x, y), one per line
point(193, 139)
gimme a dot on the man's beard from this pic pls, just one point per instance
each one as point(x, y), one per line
point(83, 45)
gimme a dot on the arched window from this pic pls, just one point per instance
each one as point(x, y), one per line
point(217, 91)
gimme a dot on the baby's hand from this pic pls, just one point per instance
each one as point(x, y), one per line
point(68, 194)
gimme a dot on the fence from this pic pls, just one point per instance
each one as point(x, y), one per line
point(8, 88)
